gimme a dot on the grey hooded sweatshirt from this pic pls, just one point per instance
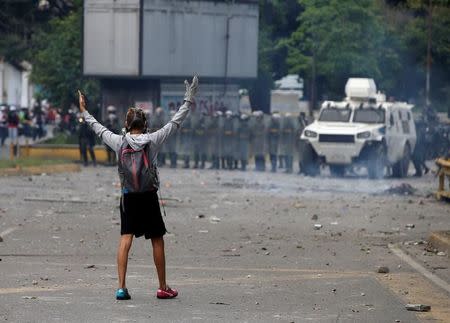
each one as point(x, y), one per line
point(138, 141)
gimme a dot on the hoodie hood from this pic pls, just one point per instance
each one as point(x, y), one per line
point(136, 142)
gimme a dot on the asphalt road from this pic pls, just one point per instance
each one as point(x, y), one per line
point(242, 247)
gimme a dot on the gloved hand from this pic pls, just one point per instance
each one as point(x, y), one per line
point(191, 89)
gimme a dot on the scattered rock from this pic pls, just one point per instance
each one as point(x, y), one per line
point(90, 266)
point(200, 216)
point(214, 219)
point(315, 217)
point(418, 307)
point(317, 226)
point(441, 253)
point(410, 226)
point(29, 297)
point(34, 282)
point(299, 205)
point(1, 239)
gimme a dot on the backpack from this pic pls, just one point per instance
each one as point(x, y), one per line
point(137, 173)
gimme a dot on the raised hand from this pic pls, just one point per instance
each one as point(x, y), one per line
point(191, 89)
point(82, 101)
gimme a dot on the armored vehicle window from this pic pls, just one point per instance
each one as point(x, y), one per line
point(335, 115)
point(369, 115)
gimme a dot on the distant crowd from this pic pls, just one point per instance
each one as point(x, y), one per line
point(31, 123)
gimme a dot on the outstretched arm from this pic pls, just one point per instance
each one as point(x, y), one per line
point(109, 138)
point(160, 136)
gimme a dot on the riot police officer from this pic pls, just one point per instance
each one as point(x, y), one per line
point(258, 139)
point(287, 142)
point(244, 140)
point(199, 131)
point(112, 124)
point(186, 141)
point(214, 139)
point(273, 138)
point(228, 139)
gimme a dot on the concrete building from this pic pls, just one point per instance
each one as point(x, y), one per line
point(15, 87)
point(142, 50)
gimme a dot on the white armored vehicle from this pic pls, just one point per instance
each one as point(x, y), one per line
point(362, 130)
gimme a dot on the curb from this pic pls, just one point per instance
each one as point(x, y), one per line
point(37, 170)
point(440, 240)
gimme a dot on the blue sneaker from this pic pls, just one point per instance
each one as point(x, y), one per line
point(122, 294)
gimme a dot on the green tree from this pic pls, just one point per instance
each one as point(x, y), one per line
point(56, 60)
point(277, 21)
point(336, 40)
point(19, 20)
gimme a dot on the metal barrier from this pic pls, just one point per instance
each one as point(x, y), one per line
point(443, 172)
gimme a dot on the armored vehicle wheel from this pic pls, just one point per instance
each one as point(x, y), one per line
point(310, 161)
point(377, 162)
point(400, 169)
point(337, 170)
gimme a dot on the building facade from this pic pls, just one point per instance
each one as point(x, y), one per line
point(142, 50)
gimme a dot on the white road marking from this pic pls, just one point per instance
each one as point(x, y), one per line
point(422, 270)
point(8, 231)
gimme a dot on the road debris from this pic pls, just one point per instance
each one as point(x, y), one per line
point(401, 189)
point(218, 303)
point(299, 205)
point(418, 307)
point(51, 200)
point(214, 219)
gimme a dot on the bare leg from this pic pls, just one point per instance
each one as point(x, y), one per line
point(160, 261)
point(122, 257)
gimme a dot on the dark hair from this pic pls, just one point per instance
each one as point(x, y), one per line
point(136, 119)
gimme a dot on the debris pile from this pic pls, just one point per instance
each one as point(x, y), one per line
point(401, 189)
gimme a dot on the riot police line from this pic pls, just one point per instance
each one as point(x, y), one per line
point(230, 140)
point(272, 142)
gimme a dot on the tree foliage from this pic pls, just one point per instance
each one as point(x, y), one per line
point(384, 40)
point(57, 58)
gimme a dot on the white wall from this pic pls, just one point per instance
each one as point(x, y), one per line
point(15, 88)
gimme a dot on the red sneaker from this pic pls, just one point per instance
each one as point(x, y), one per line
point(167, 293)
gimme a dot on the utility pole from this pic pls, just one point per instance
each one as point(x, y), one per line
point(427, 86)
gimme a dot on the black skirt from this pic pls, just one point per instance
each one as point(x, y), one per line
point(140, 215)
